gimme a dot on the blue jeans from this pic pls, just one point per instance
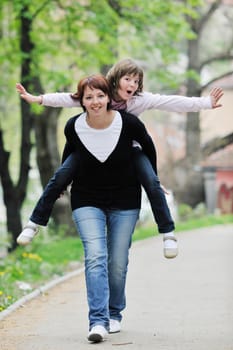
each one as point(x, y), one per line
point(146, 176)
point(56, 185)
point(106, 236)
point(151, 184)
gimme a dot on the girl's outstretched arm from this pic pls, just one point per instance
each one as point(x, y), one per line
point(56, 99)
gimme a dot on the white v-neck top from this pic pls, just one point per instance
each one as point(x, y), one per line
point(99, 142)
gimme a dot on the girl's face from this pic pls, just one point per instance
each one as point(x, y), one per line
point(95, 101)
point(128, 85)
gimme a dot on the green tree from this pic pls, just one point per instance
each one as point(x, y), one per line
point(206, 52)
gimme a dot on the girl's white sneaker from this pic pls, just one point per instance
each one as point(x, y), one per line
point(170, 249)
point(28, 233)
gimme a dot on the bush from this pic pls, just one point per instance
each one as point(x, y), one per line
point(186, 212)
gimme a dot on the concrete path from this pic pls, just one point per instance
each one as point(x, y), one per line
point(180, 304)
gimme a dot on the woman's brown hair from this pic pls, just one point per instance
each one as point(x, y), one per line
point(95, 81)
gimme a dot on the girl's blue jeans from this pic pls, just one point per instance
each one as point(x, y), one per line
point(146, 176)
point(106, 237)
point(56, 185)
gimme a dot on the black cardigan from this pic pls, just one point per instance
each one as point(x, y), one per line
point(112, 184)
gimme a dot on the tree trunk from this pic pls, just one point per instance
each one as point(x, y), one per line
point(188, 177)
point(11, 196)
point(193, 149)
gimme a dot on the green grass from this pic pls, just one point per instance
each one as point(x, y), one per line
point(61, 251)
point(205, 221)
point(208, 220)
point(52, 255)
point(46, 258)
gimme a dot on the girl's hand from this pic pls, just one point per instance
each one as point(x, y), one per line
point(26, 96)
point(216, 94)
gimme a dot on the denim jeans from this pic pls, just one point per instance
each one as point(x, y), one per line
point(150, 182)
point(56, 185)
point(146, 176)
point(106, 236)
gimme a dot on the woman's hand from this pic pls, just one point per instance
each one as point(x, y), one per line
point(215, 95)
point(26, 96)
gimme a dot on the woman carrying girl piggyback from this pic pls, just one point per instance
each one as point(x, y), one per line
point(126, 84)
point(105, 198)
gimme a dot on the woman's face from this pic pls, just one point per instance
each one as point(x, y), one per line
point(95, 101)
point(128, 85)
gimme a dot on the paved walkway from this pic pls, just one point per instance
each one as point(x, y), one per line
point(180, 304)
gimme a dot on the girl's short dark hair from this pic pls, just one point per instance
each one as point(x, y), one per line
point(124, 67)
point(95, 81)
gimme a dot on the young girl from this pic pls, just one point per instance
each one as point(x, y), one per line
point(126, 83)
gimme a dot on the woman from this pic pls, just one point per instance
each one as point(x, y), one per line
point(105, 198)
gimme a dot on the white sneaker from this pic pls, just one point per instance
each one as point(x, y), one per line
point(114, 326)
point(28, 233)
point(170, 249)
point(97, 334)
